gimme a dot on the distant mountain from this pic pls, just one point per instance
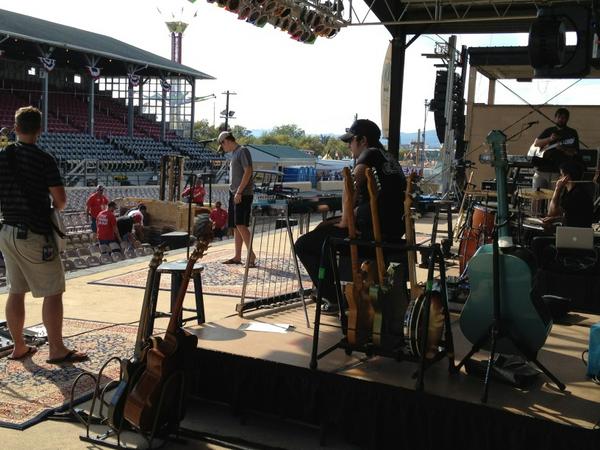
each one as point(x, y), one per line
point(430, 138)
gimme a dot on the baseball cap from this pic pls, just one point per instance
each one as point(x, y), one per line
point(222, 136)
point(100, 187)
point(362, 127)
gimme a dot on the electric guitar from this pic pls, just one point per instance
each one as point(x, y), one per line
point(414, 319)
point(132, 368)
point(564, 147)
point(521, 309)
point(165, 357)
point(387, 290)
point(360, 311)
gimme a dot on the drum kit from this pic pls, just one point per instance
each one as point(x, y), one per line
point(481, 216)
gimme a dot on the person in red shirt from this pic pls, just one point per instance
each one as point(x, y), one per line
point(96, 203)
point(107, 225)
point(218, 217)
point(198, 194)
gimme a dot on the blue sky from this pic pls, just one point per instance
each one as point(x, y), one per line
point(278, 81)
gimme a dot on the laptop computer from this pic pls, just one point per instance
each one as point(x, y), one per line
point(574, 238)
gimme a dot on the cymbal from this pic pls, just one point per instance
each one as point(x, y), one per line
point(536, 194)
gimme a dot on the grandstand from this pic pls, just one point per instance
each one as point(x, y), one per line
point(101, 125)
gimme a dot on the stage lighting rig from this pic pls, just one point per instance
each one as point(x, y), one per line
point(303, 20)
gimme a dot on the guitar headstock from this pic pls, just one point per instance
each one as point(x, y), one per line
point(373, 182)
point(157, 257)
point(497, 140)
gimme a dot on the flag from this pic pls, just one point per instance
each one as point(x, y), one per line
point(134, 79)
point(48, 63)
point(165, 85)
point(94, 72)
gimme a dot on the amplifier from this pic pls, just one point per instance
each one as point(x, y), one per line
point(590, 158)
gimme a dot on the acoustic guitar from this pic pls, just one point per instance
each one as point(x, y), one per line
point(522, 311)
point(414, 319)
point(165, 357)
point(387, 291)
point(132, 368)
point(360, 311)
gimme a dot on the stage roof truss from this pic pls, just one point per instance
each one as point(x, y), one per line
point(455, 16)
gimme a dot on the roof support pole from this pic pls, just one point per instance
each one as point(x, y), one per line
point(45, 75)
point(491, 91)
point(163, 116)
point(130, 111)
point(192, 81)
point(91, 107)
point(396, 86)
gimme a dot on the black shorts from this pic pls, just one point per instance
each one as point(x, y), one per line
point(239, 214)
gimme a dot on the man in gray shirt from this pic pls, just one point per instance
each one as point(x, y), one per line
point(241, 193)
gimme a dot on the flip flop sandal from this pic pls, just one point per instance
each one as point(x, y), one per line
point(30, 352)
point(232, 261)
point(71, 357)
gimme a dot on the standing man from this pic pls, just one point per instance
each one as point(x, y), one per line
point(241, 193)
point(107, 225)
point(218, 216)
point(29, 182)
point(94, 204)
point(555, 145)
point(363, 139)
point(198, 193)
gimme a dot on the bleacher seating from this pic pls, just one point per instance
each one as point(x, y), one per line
point(200, 155)
point(147, 149)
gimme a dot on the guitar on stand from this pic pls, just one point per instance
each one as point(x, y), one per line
point(132, 368)
point(414, 320)
point(360, 311)
point(388, 294)
point(153, 401)
point(503, 313)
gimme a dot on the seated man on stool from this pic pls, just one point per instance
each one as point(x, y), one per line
point(363, 140)
point(571, 206)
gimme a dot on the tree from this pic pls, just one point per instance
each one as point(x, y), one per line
point(291, 130)
point(203, 131)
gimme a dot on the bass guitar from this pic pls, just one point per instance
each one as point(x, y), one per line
point(387, 291)
point(522, 310)
point(360, 311)
point(166, 356)
point(132, 368)
point(414, 319)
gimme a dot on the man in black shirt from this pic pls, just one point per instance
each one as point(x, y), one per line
point(363, 140)
point(29, 180)
point(556, 144)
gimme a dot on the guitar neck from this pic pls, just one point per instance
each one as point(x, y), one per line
point(497, 140)
point(373, 193)
point(411, 240)
point(349, 216)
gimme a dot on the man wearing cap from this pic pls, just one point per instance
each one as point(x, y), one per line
point(94, 204)
point(363, 140)
point(241, 193)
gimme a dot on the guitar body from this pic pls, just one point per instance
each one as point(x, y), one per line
point(131, 371)
point(527, 321)
point(141, 406)
point(359, 316)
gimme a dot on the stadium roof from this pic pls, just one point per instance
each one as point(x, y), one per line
point(285, 153)
point(71, 45)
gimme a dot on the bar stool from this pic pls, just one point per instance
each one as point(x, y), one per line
point(176, 269)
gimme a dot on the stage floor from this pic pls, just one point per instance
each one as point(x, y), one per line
point(577, 406)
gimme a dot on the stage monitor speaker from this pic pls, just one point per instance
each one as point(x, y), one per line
point(549, 54)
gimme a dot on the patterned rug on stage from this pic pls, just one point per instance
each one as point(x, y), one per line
point(31, 389)
point(272, 276)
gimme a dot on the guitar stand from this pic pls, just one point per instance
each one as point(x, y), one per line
point(89, 419)
point(499, 330)
point(368, 348)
